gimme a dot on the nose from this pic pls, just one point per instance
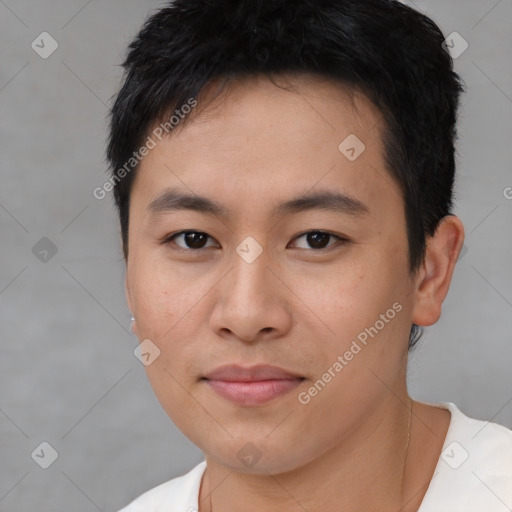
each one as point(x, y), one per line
point(251, 302)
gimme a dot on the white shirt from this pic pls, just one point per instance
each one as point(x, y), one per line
point(473, 473)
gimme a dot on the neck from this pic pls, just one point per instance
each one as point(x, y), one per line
point(366, 470)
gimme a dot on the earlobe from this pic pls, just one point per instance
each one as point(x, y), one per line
point(433, 279)
point(133, 326)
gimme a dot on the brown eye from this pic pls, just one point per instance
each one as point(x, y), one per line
point(191, 239)
point(319, 240)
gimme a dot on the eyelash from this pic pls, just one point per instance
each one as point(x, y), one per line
point(170, 239)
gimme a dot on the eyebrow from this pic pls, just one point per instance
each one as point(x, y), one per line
point(174, 200)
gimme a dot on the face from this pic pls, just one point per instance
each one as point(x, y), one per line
point(318, 287)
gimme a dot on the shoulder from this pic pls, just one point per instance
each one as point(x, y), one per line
point(474, 471)
point(179, 494)
point(487, 446)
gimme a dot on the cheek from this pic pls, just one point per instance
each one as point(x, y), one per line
point(165, 315)
point(154, 310)
point(358, 306)
point(167, 309)
point(161, 300)
point(342, 301)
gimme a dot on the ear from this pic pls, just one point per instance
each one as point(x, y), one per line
point(433, 278)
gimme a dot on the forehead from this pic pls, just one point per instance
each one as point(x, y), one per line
point(265, 138)
point(295, 105)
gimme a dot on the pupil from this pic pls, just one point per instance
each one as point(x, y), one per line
point(193, 240)
point(315, 239)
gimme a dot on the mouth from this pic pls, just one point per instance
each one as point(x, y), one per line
point(251, 386)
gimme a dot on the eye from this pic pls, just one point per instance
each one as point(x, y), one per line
point(318, 240)
point(196, 240)
point(191, 239)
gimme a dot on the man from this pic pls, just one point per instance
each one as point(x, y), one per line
point(283, 173)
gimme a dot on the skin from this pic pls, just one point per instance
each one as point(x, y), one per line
point(357, 445)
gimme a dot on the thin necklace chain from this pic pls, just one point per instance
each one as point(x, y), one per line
point(210, 488)
point(408, 438)
point(403, 467)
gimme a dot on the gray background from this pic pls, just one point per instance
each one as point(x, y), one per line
point(68, 375)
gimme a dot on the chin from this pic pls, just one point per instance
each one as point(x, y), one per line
point(246, 456)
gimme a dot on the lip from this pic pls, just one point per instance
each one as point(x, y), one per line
point(253, 385)
point(237, 373)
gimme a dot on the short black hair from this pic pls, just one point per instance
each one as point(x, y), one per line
point(383, 48)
